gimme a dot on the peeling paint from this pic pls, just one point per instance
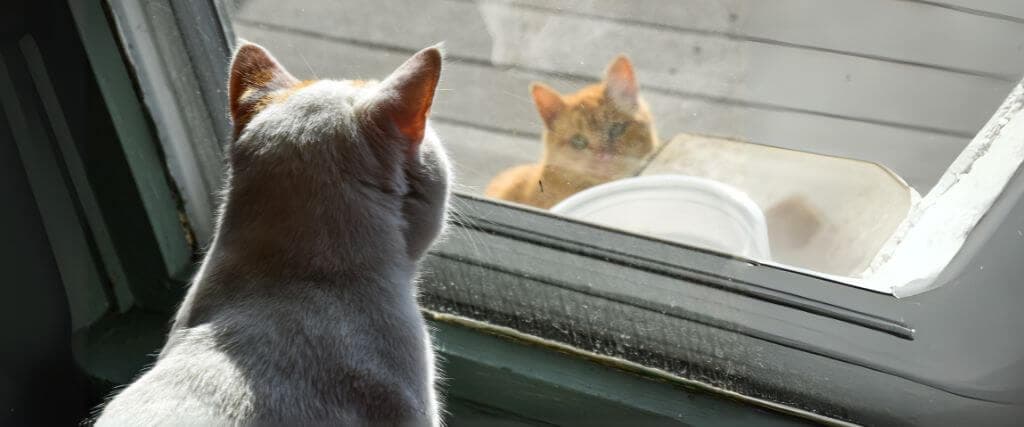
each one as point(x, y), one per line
point(938, 226)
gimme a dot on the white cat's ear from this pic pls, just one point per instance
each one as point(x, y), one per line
point(254, 75)
point(405, 97)
point(549, 102)
point(620, 84)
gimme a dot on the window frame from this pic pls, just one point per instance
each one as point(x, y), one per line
point(829, 349)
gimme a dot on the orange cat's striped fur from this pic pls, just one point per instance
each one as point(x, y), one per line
point(602, 133)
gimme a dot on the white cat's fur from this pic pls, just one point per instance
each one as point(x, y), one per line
point(304, 311)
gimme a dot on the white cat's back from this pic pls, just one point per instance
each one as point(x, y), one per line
point(313, 358)
point(172, 392)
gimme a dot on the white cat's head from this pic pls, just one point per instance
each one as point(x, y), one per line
point(313, 162)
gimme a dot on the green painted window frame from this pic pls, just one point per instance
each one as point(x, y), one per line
point(540, 385)
point(723, 328)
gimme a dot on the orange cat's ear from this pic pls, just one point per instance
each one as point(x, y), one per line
point(254, 75)
point(549, 103)
point(620, 84)
point(406, 95)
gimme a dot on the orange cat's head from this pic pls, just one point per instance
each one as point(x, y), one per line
point(602, 132)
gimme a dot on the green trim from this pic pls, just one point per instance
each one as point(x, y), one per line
point(139, 145)
point(459, 413)
point(77, 173)
point(67, 233)
point(554, 384)
point(118, 347)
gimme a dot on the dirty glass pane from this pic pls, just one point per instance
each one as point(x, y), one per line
point(799, 132)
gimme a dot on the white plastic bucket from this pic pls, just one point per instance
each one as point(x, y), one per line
point(689, 210)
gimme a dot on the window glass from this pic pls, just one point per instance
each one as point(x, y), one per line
point(798, 132)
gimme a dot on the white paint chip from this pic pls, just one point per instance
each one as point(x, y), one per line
point(936, 228)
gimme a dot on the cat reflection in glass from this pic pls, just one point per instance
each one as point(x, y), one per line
point(599, 134)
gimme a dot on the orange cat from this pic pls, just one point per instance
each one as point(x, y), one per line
point(602, 133)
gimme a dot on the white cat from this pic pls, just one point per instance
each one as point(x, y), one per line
point(304, 311)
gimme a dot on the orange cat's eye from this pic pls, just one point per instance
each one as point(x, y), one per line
point(579, 142)
point(616, 130)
